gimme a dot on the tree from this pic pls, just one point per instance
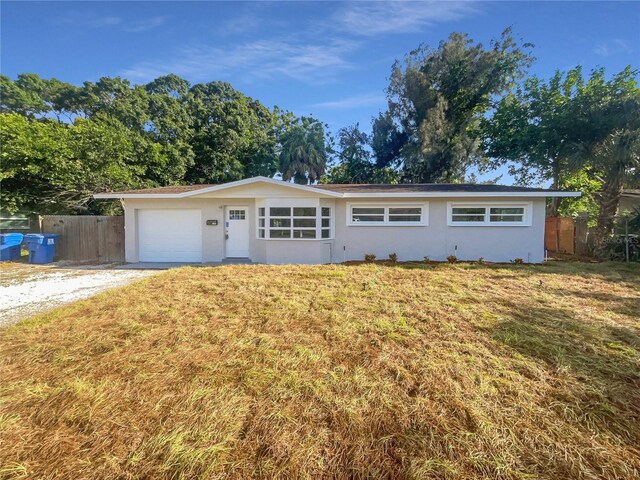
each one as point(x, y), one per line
point(387, 141)
point(354, 160)
point(607, 118)
point(570, 130)
point(534, 128)
point(54, 167)
point(436, 99)
point(234, 135)
point(304, 151)
point(33, 96)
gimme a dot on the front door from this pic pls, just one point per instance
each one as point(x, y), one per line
point(236, 225)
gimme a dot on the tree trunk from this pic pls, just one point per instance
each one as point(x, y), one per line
point(555, 201)
point(608, 202)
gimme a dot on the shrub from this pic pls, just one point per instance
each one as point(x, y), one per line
point(481, 261)
point(518, 261)
point(370, 257)
point(393, 257)
point(452, 259)
point(426, 260)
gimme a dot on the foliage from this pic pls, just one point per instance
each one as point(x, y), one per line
point(387, 141)
point(370, 257)
point(452, 259)
point(393, 258)
point(585, 182)
point(436, 100)
point(607, 113)
point(576, 132)
point(62, 143)
point(354, 164)
point(234, 135)
point(518, 261)
point(53, 167)
point(305, 150)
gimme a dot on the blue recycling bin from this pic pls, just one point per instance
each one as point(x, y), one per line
point(10, 246)
point(42, 247)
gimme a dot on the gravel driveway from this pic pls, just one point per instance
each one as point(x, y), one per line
point(26, 290)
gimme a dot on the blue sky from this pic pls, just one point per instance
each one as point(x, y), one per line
point(329, 59)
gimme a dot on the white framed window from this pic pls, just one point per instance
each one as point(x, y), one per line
point(325, 223)
point(489, 214)
point(397, 214)
point(294, 223)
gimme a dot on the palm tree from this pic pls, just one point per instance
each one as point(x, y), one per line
point(620, 155)
point(303, 155)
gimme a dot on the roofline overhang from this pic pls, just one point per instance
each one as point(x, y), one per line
point(216, 188)
point(462, 194)
point(329, 193)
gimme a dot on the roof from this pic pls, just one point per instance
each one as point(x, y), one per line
point(166, 190)
point(415, 190)
point(424, 187)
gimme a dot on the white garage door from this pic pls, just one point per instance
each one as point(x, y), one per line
point(169, 235)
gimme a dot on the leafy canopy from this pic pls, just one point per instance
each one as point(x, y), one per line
point(436, 98)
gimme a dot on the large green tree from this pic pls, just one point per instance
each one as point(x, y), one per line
point(576, 132)
point(117, 135)
point(54, 167)
point(436, 98)
point(533, 129)
point(607, 117)
point(234, 135)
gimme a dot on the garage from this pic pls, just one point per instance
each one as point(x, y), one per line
point(170, 235)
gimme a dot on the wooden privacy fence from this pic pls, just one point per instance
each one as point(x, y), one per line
point(86, 238)
point(559, 234)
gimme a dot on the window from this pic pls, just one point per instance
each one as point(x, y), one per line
point(326, 223)
point(506, 214)
point(399, 214)
point(468, 214)
point(385, 215)
point(236, 214)
point(294, 223)
point(489, 214)
point(261, 222)
point(367, 215)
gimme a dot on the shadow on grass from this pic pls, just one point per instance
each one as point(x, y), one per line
point(602, 362)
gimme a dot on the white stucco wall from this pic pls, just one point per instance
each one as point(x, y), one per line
point(213, 237)
point(211, 209)
point(436, 240)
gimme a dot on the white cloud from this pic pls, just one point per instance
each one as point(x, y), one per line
point(352, 102)
point(615, 46)
point(145, 24)
point(373, 18)
point(307, 62)
point(92, 20)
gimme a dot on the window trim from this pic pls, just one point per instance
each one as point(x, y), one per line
point(526, 218)
point(424, 215)
point(318, 218)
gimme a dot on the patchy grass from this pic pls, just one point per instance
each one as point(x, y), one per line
point(369, 371)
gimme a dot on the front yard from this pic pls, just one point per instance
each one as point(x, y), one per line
point(368, 371)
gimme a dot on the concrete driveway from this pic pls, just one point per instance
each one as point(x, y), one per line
point(26, 290)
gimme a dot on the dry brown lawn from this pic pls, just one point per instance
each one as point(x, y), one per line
point(369, 371)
